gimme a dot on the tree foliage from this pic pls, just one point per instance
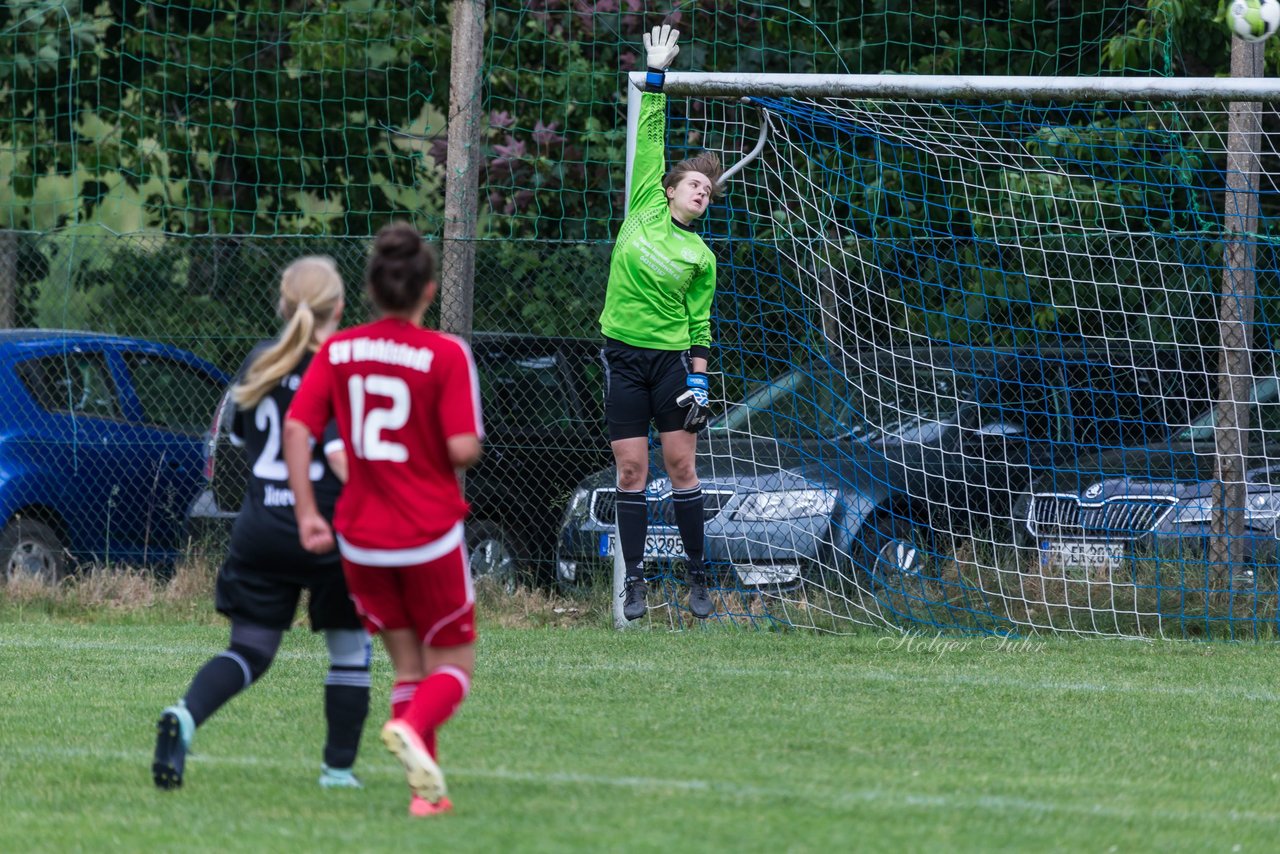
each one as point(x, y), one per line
point(213, 117)
point(238, 119)
point(308, 117)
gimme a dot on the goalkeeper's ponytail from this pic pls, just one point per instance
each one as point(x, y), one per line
point(310, 293)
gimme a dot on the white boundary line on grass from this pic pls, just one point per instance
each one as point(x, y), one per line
point(847, 672)
point(150, 649)
point(837, 799)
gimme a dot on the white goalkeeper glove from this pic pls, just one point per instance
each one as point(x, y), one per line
point(697, 400)
point(660, 47)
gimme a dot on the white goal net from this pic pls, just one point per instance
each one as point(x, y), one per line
point(992, 355)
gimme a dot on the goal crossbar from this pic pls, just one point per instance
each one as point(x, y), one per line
point(933, 86)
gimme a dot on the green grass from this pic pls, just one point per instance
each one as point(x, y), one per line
point(584, 738)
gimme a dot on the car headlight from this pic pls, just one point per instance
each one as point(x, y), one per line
point(577, 505)
point(1261, 510)
point(787, 504)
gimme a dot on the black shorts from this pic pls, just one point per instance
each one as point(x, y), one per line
point(641, 386)
point(262, 594)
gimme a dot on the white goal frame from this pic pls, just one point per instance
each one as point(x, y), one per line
point(730, 85)
point(1244, 95)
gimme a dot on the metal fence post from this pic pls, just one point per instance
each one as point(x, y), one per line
point(8, 278)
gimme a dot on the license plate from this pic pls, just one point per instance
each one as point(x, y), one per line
point(655, 545)
point(1089, 557)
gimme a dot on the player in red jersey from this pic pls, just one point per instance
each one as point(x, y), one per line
point(407, 404)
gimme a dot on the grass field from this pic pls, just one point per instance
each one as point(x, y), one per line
point(580, 738)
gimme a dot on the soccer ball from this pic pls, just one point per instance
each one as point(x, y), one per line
point(1254, 20)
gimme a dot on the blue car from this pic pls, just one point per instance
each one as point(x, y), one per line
point(861, 477)
point(101, 449)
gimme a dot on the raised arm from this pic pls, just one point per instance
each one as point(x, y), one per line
point(650, 159)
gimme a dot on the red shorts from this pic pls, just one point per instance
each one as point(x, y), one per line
point(433, 596)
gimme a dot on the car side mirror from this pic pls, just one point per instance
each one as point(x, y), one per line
point(991, 439)
point(1002, 429)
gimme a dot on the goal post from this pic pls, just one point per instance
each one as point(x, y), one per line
point(964, 87)
point(1067, 226)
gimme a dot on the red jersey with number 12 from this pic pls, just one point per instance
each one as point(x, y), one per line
point(398, 392)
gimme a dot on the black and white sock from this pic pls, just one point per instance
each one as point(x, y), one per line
point(691, 520)
point(346, 694)
point(221, 678)
point(346, 705)
point(633, 525)
point(246, 658)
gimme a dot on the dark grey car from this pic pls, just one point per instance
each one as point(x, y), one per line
point(1128, 514)
point(860, 475)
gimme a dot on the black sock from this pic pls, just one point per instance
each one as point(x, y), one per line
point(691, 521)
point(221, 678)
point(346, 705)
point(246, 658)
point(633, 524)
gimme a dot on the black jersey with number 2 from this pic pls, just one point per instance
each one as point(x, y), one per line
point(266, 527)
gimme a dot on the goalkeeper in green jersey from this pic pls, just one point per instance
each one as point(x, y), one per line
point(657, 329)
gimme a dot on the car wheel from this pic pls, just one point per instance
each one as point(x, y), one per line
point(586, 576)
point(493, 555)
point(31, 549)
point(900, 562)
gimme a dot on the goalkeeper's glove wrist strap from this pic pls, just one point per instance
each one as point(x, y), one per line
point(653, 79)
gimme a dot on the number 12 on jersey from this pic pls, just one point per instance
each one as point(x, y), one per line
point(369, 422)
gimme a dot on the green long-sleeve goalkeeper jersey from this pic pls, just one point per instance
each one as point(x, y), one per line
point(662, 277)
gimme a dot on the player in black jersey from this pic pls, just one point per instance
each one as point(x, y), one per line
point(266, 568)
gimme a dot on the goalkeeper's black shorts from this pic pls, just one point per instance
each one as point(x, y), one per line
point(640, 387)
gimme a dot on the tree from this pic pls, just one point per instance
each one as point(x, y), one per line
point(208, 117)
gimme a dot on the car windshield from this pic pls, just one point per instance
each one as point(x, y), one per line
point(1265, 415)
point(908, 405)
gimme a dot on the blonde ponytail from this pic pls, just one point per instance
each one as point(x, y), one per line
point(310, 292)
